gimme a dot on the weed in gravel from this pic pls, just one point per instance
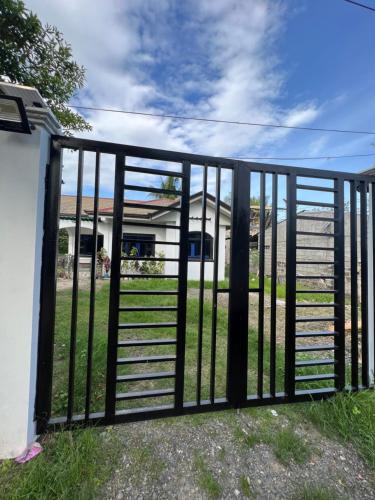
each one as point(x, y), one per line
point(206, 479)
point(142, 458)
point(221, 453)
point(288, 446)
point(351, 417)
point(245, 487)
point(247, 438)
point(312, 492)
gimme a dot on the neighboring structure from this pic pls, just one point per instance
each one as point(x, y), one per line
point(146, 236)
point(309, 241)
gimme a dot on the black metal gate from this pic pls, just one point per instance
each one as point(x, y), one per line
point(265, 364)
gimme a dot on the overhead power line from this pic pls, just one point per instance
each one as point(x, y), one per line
point(230, 122)
point(291, 158)
point(361, 5)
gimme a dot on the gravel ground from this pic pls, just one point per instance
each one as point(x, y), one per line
point(201, 456)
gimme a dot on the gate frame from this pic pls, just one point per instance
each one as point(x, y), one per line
point(238, 327)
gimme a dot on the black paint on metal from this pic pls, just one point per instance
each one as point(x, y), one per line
point(182, 287)
point(339, 271)
point(262, 228)
point(201, 286)
point(354, 283)
point(290, 303)
point(239, 285)
point(90, 341)
point(273, 285)
point(364, 285)
point(237, 348)
point(43, 400)
point(114, 299)
point(74, 312)
point(215, 285)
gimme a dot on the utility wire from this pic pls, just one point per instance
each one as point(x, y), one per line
point(212, 120)
point(326, 157)
point(361, 5)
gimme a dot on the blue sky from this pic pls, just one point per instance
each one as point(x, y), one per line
point(296, 62)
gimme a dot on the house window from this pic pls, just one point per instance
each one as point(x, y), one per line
point(87, 243)
point(143, 243)
point(195, 246)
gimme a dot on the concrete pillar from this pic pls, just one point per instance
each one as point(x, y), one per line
point(23, 160)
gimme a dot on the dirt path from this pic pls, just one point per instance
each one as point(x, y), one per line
point(280, 318)
point(214, 455)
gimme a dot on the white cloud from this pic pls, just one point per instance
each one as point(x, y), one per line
point(203, 58)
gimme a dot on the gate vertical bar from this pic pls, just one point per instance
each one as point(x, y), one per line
point(364, 287)
point(262, 224)
point(354, 283)
point(215, 286)
point(74, 311)
point(43, 397)
point(273, 285)
point(114, 298)
point(239, 288)
point(90, 339)
point(201, 286)
point(182, 287)
point(290, 303)
point(371, 285)
point(339, 281)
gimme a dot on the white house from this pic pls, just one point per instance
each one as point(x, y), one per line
point(146, 236)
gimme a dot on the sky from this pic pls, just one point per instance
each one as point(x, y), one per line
point(293, 62)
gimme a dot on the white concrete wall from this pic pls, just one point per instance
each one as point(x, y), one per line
point(23, 162)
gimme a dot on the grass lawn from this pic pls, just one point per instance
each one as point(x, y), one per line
point(62, 337)
point(280, 288)
point(62, 346)
point(77, 464)
point(73, 465)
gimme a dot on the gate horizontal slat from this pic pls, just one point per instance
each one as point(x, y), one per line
point(264, 371)
point(124, 396)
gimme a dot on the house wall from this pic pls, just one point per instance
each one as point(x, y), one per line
point(161, 234)
point(195, 223)
point(104, 228)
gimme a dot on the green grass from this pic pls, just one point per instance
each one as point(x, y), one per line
point(349, 417)
point(286, 444)
point(254, 283)
point(62, 345)
point(143, 458)
point(84, 454)
point(62, 339)
point(248, 439)
point(313, 492)
point(288, 447)
point(245, 487)
point(73, 465)
point(206, 480)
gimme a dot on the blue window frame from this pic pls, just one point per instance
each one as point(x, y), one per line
point(195, 246)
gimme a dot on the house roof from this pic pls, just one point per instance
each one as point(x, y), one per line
point(68, 206)
point(368, 171)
